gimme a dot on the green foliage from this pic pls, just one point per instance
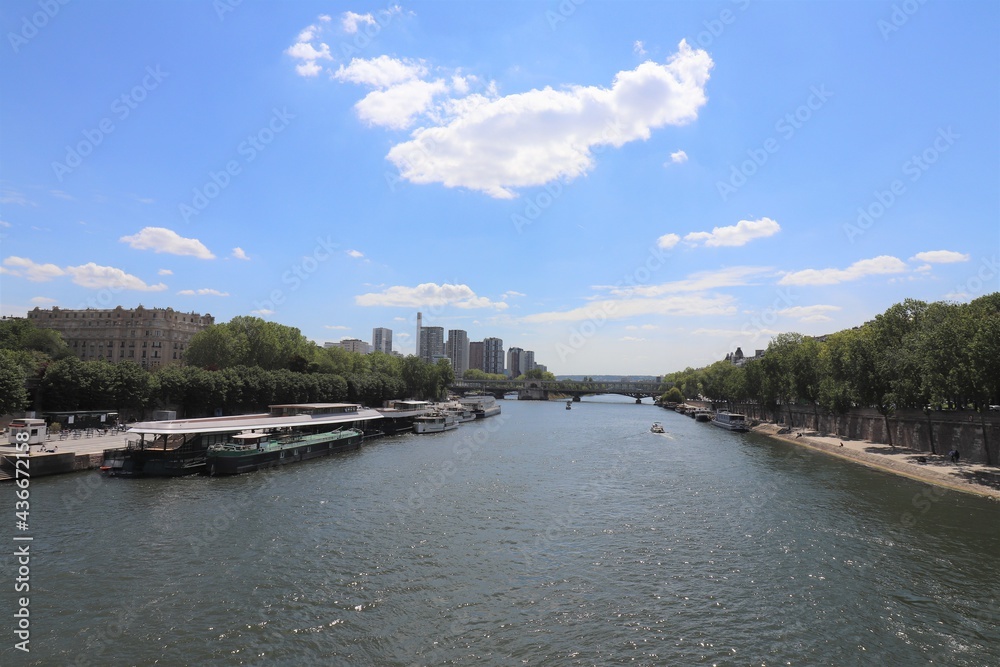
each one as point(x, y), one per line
point(13, 395)
point(673, 395)
point(914, 354)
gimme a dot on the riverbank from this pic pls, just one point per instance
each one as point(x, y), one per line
point(935, 469)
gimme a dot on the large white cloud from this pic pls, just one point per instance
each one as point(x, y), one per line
point(397, 106)
point(23, 267)
point(96, 277)
point(381, 72)
point(428, 294)
point(161, 239)
point(532, 138)
point(881, 265)
point(739, 234)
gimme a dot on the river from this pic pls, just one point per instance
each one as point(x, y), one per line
point(543, 536)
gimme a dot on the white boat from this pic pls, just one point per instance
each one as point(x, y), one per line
point(437, 422)
point(483, 406)
point(703, 415)
point(730, 421)
point(657, 427)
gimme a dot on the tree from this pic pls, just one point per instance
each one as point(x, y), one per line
point(672, 395)
point(13, 395)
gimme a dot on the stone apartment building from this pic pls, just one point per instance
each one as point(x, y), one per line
point(151, 337)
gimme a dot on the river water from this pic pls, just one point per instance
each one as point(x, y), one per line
point(543, 536)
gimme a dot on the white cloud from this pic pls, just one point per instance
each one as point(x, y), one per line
point(262, 312)
point(631, 339)
point(638, 48)
point(161, 239)
point(349, 21)
point(734, 276)
point(739, 234)
point(881, 265)
point(165, 272)
point(8, 196)
point(511, 293)
point(4, 223)
point(306, 53)
point(97, 277)
point(381, 72)
point(60, 194)
point(23, 267)
point(941, 257)
point(356, 254)
point(610, 309)
point(43, 300)
point(816, 313)
point(396, 107)
point(532, 138)
point(678, 157)
point(338, 327)
point(644, 327)
point(205, 291)
point(238, 253)
point(668, 241)
point(428, 294)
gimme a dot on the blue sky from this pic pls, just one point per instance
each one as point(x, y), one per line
point(622, 187)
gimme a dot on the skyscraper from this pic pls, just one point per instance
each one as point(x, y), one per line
point(515, 362)
point(457, 349)
point(476, 355)
point(382, 340)
point(493, 360)
point(420, 326)
point(431, 343)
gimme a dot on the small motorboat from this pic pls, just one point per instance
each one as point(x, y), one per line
point(569, 405)
point(657, 427)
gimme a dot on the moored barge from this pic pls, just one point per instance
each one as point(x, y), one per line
point(181, 446)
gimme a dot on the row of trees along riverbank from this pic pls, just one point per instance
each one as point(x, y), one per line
point(915, 355)
point(242, 365)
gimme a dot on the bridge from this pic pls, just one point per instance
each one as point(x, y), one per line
point(541, 390)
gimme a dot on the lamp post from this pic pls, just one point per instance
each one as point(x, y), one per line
point(930, 427)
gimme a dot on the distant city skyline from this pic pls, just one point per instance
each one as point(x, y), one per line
point(621, 188)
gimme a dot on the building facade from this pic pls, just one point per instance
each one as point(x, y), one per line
point(382, 340)
point(476, 355)
point(351, 345)
point(431, 343)
point(529, 360)
point(515, 362)
point(457, 349)
point(493, 357)
point(150, 337)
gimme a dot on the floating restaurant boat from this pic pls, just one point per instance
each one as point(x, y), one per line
point(253, 451)
point(730, 421)
point(437, 422)
point(181, 446)
point(483, 406)
point(398, 416)
point(702, 415)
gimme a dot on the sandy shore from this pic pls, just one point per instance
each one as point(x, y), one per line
point(975, 478)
